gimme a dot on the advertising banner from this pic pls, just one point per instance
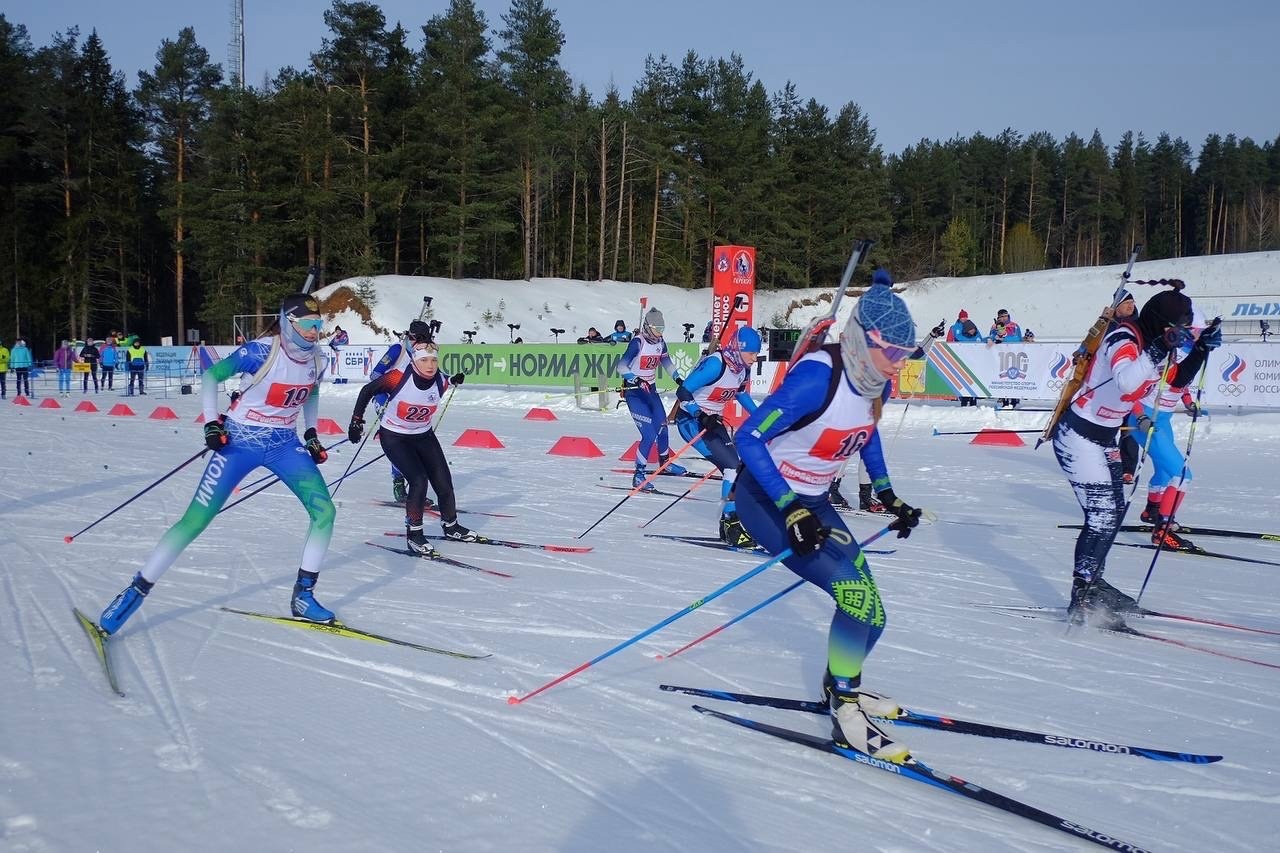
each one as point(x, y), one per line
point(515, 364)
point(733, 288)
point(1245, 374)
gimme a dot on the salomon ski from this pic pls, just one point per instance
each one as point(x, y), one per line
point(952, 724)
point(921, 772)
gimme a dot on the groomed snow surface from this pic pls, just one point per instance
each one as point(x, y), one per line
point(238, 734)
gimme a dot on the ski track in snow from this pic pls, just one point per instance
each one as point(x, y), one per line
point(227, 719)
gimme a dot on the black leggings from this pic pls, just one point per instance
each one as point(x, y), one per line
point(421, 459)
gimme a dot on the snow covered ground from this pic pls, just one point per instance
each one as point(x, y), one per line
point(237, 734)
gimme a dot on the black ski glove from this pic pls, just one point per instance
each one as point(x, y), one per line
point(908, 516)
point(355, 429)
point(457, 378)
point(1145, 425)
point(805, 531)
point(314, 447)
point(708, 420)
point(1158, 352)
point(938, 330)
point(215, 434)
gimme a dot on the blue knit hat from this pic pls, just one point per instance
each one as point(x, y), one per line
point(883, 311)
point(881, 277)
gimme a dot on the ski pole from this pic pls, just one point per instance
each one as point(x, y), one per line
point(672, 458)
point(516, 700)
point(682, 497)
point(367, 436)
point(1151, 433)
point(1191, 437)
point(770, 600)
point(180, 466)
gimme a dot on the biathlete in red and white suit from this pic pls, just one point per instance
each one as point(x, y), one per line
point(1124, 374)
point(409, 439)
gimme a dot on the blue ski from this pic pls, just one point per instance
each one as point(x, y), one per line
point(952, 724)
point(716, 542)
point(920, 772)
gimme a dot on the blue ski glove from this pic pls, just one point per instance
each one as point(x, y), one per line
point(1211, 338)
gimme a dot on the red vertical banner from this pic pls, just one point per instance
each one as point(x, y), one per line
point(733, 288)
point(733, 296)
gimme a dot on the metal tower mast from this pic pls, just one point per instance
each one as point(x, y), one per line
point(235, 47)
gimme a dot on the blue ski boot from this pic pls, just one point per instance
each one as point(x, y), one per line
point(674, 469)
point(124, 604)
point(304, 601)
point(640, 477)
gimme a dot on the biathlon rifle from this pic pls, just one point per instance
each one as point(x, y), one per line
point(1082, 360)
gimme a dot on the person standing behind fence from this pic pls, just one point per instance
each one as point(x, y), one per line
point(110, 356)
point(138, 360)
point(62, 361)
point(20, 361)
point(90, 355)
point(4, 367)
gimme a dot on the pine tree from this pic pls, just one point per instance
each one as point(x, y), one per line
point(175, 99)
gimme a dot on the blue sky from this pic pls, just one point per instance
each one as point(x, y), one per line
point(919, 68)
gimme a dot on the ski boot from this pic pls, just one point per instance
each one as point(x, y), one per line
point(674, 469)
point(399, 489)
point(304, 602)
point(851, 723)
point(640, 476)
point(733, 533)
point(1089, 606)
point(416, 542)
point(124, 604)
point(837, 500)
point(1151, 512)
point(868, 502)
point(1166, 536)
point(1111, 598)
point(455, 531)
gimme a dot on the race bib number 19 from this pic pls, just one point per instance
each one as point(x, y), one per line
point(287, 396)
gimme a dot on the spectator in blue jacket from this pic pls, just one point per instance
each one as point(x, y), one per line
point(1004, 330)
point(21, 362)
point(110, 355)
point(620, 334)
point(964, 331)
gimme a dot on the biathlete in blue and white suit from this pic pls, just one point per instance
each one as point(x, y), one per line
point(258, 430)
point(721, 376)
point(792, 447)
point(638, 368)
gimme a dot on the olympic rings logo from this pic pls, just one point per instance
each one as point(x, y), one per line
point(1055, 384)
point(1232, 388)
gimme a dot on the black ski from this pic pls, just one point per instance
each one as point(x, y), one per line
point(921, 772)
point(657, 492)
point(439, 558)
point(342, 630)
point(99, 638)
point(436, 513)
point(1142, 611)
point(715, 542)
point(505, 543)
point(1190, 531)
point(1133, 632)
point(953, 724)
point(1197, 551)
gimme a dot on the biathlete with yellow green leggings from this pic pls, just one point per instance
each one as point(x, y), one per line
point(258, 430)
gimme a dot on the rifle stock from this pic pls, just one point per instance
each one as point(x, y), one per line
point(1086, 352)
